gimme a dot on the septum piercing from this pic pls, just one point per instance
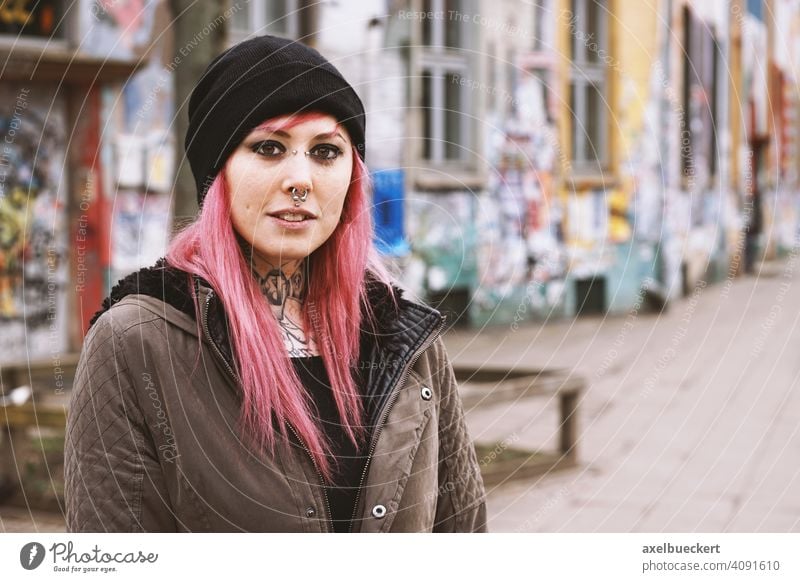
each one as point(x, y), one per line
point(297, 198)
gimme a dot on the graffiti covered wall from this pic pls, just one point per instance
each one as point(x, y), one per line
point(33, 233)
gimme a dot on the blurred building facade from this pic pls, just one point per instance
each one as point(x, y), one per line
point(624, 153)
point(86, 165)
point(560, 157)
point(531, 159)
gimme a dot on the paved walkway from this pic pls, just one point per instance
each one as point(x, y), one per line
point(20, 520)
point(691, 421)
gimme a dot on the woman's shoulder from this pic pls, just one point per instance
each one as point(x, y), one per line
point(160, 289)
point(133, 311)
point(388, 297)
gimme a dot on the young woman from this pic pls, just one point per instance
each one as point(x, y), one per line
point(266, 375)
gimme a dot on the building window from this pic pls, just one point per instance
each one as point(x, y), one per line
point(32, 20)
point(588, 85)
point(698, 126)
point(287, 18)
point(445, 82)
point(543, 25)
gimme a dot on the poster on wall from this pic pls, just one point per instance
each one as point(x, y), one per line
point(117, 29)
point(139, 234)
point(33, 225)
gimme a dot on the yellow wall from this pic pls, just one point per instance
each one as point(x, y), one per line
point(630, 56)
point(738, 101)
point(634, 36)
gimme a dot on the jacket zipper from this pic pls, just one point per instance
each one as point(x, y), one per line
point(387, 408)
point(235, 378)
point(319, 474)
point(211, 339)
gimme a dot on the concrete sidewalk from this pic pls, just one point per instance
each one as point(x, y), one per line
point(691, 421)
point(20, 520)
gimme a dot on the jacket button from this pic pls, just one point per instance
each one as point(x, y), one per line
point(311, 512)
point(426, 393)
point(379, 511)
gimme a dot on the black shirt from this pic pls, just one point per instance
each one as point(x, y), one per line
point(348, 464)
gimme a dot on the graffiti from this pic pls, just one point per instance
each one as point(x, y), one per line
point(33, 244)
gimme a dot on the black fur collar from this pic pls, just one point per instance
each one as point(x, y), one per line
point(162, 281)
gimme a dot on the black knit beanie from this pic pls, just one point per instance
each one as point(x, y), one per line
point(255, 80)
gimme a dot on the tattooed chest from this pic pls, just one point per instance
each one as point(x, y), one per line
point(297, 342)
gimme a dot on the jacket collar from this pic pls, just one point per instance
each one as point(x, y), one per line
point(401, 330)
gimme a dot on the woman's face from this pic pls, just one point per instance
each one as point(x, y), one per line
point(262, 173)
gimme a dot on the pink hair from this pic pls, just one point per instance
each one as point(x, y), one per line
point(272, 392)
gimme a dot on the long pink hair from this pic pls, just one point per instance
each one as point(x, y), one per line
point(272, 393)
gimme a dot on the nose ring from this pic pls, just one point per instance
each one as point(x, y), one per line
point(298, 198)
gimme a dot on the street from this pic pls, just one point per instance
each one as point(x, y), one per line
point(689, 423)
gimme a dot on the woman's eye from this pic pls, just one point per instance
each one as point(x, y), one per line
point(268, 148)
point(326, 152)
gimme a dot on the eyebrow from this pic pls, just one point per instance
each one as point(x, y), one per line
point(326, 135)
point(329, 135)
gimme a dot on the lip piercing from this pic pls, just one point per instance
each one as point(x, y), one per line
point(298, 198)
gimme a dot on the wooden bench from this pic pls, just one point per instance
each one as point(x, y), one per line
point(39, 373)
point(30, 465)
point(45, 408)
point(486, 386)
point(29, 415)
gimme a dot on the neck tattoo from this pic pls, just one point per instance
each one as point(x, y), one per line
point(284, 287)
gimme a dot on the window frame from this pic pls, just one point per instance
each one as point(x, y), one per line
point(441, 62)
point(256, 11)
point(588, 156)
point(700, 62)
point(69, 24)
point(543, 25)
